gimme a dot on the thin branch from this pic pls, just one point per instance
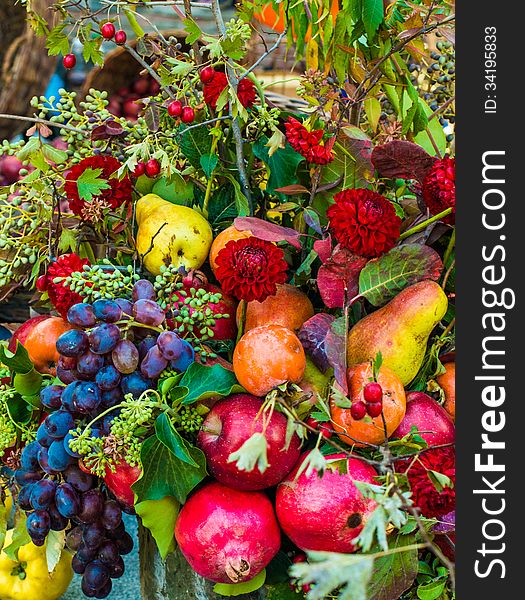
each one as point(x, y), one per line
point(264, 55)
point(148, 68)
point(42, 122)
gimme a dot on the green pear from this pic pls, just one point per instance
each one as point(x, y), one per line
point(399, 330)
point(314, 383)
point(144, 184)
point(175, 190)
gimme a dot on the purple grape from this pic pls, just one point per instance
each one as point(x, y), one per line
point(74, 538)
point(85, 553)
point(125, 543)
point(94, 535)
point(148, 312)
point(43, 460)
point(111, 515)
point(77, 564)
point(111, 398)
point(153, 364)
point(66, 375)
point(82, 315)
point(57, 457)
point(107, 310)
point(107, 378)
point(117, 570)
point(42, 437)
point(42, 494)
point(38, 540)
point(38, 523)
point(67, 500)
point(80, 481)
point(170, 345)
point(96, 575)
point(119, 531)
point(126, 306)
point(58, 522)
point(125, 357)
point(57, 424)
point(72, 343)
point(68, 396)
point(24, 477)
point(86, 590)
point(89, 364)
point(105, 590)
point(24, 496)
point(50, 396)
point(186, 358)
point(104, 338)
point(29, 457)
point(108, 553)
point(91, 506)
point(87, 397)
point(143, 290)
point(146, 344)
point(135, 384)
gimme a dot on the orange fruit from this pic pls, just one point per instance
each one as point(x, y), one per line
point(266, 357)
point(229, 234)
point(367, 430)
point(290, 307)
point(447, 382)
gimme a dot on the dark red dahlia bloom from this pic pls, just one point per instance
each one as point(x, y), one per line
point(439, 188)
point(250, 268)
point(213, 89)
point(61, 297)
point(308, 143)
point(116, 195)
point(426, 497)
point(364, 222)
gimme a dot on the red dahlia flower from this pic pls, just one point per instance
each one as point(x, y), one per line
point(364, 222)
point(308, 143)
point(426, 497)
point(250, 268)
point(213, 89)
point(116, 195)
point(61, 297)
point(439, 188)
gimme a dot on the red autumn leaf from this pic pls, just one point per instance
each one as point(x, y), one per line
point(268, 231)
point(402, 159)
point(292, 190)
point(340, 271)
point(312, 335)
point(324, 248)
point(335, 344)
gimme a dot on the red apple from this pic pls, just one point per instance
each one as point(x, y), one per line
point(10, 169)
point(230, 423)
point(38, 335)
point(328, 512)
point(227, 535)
point(432, 421)
point(141, 86)
point(120, 482)
point(131, 107)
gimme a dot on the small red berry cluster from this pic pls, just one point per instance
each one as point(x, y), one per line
point(108, 32)
point(373, 402)
point(185, 113)
point(151, 168)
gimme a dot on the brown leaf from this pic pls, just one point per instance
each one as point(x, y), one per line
point(268, 231)
point(339, 272)
point(292, 190)
point(402, 159)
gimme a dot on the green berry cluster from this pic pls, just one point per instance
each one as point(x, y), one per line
point(189, 419)
point(192, 313)
point(101, 281)
point(7, 430)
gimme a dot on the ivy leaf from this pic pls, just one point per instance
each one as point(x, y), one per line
point(159, 517)
point(208, 381)
point(28, 384)
point(90, 184)
point(172, 439)
point(222, 205)
point(282, 165)
point(237, 589)
point(384, 277)
point(19, 361)
point(164, 474)
point(19, 409)
point(55, 542)
point(57, 41)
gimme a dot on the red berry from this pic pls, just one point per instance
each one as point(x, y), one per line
point(207, 74)
point(175, 108)
point(41, 283)
point(319, 426)
point(373, 392)
point(140, 169)
point(120, 37)
point(152, 167)
point(69, 61)
point(358, 410)
point(108, 31)
point(374, 408)
point(187, 115)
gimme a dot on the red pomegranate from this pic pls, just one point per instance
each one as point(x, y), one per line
point(227, 535)
point(230, 423)
point(328, 512)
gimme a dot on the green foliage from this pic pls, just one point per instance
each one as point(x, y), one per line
point(208, 381)
point(159, 516)
point(237, 589)
point(90, 184)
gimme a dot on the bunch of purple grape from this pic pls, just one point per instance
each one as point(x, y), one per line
point(118, 347)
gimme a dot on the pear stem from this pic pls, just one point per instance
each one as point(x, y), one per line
point(425, 224)
point(242, 321)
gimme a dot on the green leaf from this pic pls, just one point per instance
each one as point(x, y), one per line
point(90, 184)
point(394, 574)
point(431, 591)
point(253, 452)
point(164, 474)
point(3, 523)
point(19, 362)
point(282, 591)
point(373, 111)
point(54, 155)
point(28, 149)
point(28, 384)
point(383, 278)
point(435, 129)
point(222, 205)
point(236, 589)
point(208, 381)
point(375, 527)
point(57, 41)
point(282, 165)
point(241, 202)
point(180, 68)
point(55, 542)
point(19, 410)
point(173, 440)
point(159, 517)
point(208, 163)
point(91, 51)
point(439, 480)
point(133, 23)
point(372, 16)
point(68, 240)
point(20, 537)
point(194, 143)
point(193, 30)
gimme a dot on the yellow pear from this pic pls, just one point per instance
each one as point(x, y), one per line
point(170, 234)
point(399, 330)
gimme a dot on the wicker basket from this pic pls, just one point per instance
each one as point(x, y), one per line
point(25, 67)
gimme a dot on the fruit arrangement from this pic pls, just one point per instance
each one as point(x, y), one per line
point(246, 336)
